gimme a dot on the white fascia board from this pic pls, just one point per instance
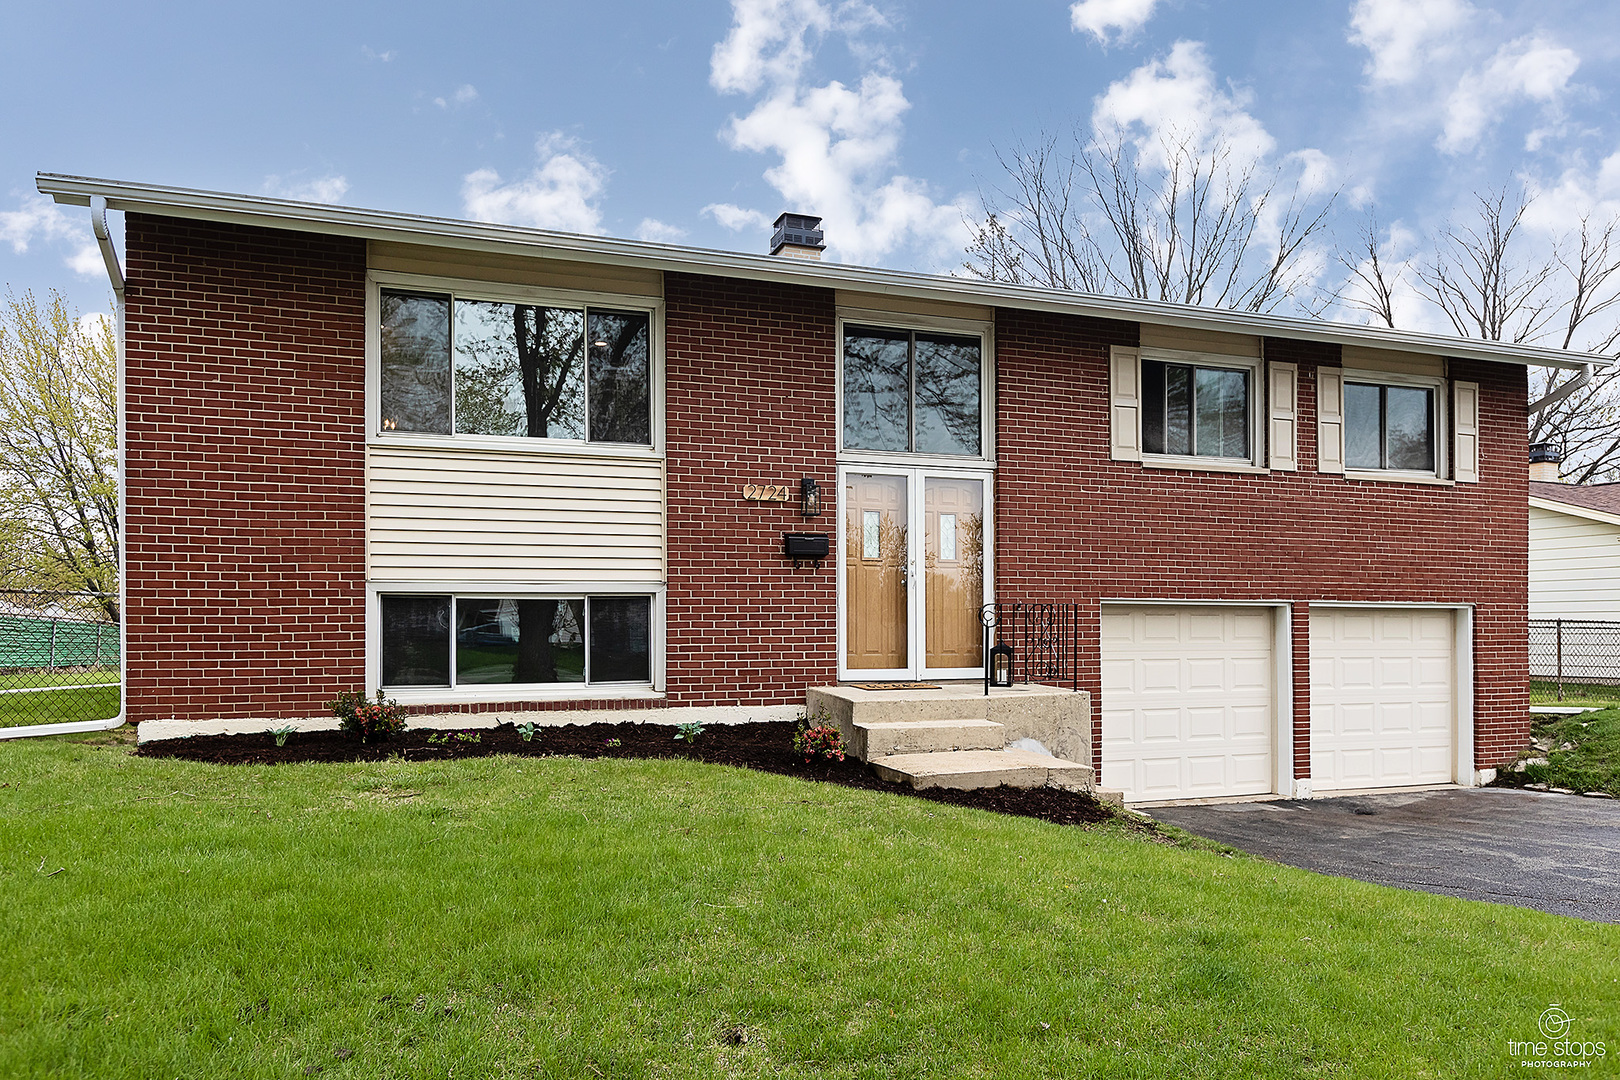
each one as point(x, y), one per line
point(483, 236)
point(1572, 510)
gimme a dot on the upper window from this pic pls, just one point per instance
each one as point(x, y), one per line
point(1389, 427)
point(452, 365)
point(912, 391)
point(1196, 410)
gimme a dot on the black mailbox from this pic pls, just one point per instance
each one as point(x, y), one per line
point(806, 547)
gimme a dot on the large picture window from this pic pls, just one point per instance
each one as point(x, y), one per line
point(1194, 410)
point(912, 391)
point(1389, 427)
point(537, 641)
point(456, 365)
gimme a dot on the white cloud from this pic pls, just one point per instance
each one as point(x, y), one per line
point(1103, 18)
point(1557, 206)
point(559, 193)
point(372, 54)
point(837, 146)
point(735, 218)
point(1177, 99)
point(321, 189)
point(1530, 67)
point(1405, 37)
point(38, 218)
point(465, 94)
point(659, 232)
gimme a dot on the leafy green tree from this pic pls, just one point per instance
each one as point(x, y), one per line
point(58, 449)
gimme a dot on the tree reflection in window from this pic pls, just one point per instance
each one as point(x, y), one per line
point(907, 391)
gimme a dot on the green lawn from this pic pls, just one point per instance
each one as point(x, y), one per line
point(565, 918)
point(60, 706)
point(1598, 695)
point(1591, 762)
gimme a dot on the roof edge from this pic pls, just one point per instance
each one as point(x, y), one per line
point(1572, 510)
point(474, 235)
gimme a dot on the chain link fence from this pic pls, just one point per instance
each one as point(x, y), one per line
point(59, 656)
point(1574, 661)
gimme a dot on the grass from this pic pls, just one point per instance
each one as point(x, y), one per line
point(1591, 762)
point(12, 680)
point(1597, 695)
point(59, 706)
point(559, 917)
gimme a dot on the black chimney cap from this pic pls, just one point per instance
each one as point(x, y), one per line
point(800, 230)
point(1545, 451)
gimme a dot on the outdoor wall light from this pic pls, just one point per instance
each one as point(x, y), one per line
point(809, 498)
point(1001, 665)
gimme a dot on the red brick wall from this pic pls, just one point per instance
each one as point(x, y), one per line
point(243, 495)
point(1074, 525)
point(750, 399)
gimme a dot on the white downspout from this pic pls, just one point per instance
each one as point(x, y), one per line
point(1579, 382)
point(98, 224)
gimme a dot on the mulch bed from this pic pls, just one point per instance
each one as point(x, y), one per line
point(762, 746)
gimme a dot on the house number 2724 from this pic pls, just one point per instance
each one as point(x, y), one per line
point(765, 492)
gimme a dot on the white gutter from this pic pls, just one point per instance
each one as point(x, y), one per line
point(483, 236)
point(1579, 382)
point(98, 225)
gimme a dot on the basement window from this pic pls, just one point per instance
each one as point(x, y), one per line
point(525, 640)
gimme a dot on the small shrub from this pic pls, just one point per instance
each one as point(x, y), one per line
point(528, 731)
point(612, 744)
point(817, 737)
point(445, 738)
point(281, 734)
point(688, 732)
point(372, 721)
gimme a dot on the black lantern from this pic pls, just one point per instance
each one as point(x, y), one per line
point(1001, 665)
point(809, 498)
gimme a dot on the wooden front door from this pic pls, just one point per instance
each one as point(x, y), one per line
point(877, 560)
point(911, 610)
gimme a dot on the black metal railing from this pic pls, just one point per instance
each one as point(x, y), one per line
point(1574, 660)
point(1044, 639)
point(58, 658)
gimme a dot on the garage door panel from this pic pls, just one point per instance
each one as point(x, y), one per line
point(1188, 701)
point(1382, 700)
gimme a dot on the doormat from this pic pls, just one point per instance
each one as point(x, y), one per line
point(896, 686)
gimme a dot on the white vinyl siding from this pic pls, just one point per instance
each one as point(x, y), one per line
point(1188, 701)
point(1574, 567)
point(496, 518)
point(1382, 698)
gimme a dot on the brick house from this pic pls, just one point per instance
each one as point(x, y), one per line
point(494, 469)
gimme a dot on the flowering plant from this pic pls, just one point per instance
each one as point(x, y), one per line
point(822, 741)
point(367, 719)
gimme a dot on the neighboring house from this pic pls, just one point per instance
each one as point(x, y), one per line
point(493, 469)
point(1575, 551)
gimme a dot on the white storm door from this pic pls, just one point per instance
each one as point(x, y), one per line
point(1382, 697)
point(1188, 701)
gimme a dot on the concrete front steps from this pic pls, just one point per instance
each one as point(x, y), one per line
point(957, 737)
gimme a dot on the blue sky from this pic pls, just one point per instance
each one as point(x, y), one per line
point(697, 123)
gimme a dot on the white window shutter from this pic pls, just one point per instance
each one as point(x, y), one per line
point(1465, 424)
point(1283, 445)
point(1125, 404)
point(1329, 420)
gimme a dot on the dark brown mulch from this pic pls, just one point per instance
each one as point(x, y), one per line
point(762, 746)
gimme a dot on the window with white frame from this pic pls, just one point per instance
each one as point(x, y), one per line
point(913, 391)
point(1389, 426)
point(458, 364)
point(1187, 409)
point(468, 640)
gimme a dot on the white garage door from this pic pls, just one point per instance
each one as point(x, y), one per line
point(1381, 697)
point(1188, 701)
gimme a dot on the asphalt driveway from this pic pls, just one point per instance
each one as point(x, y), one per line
point(1556, 853)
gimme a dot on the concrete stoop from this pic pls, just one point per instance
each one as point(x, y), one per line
point(957, 737)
